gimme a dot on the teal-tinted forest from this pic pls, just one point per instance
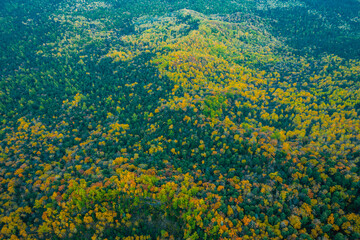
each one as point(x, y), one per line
point(179, 119)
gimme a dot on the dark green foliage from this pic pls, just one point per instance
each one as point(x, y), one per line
point(181, 119)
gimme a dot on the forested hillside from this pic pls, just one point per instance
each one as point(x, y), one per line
point(167, 119)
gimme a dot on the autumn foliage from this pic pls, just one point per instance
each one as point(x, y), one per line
point(180, 126)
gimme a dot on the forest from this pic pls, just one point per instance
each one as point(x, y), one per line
point(179, 119)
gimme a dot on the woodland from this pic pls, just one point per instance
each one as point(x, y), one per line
point(179, 119)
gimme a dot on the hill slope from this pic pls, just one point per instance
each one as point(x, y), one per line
point(185, 123)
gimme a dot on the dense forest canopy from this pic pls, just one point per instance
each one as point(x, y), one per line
point(167, 119)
